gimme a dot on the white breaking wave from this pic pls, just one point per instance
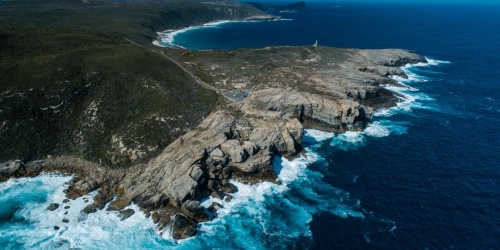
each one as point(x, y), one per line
point(67, 226)
point(383, 128)
point(377, 130)
point(277, 212)
point(348, 141)
point(314, 136)
point(281, 212)
point(410, 96)
point(434, 62)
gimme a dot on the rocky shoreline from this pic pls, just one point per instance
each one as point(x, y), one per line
point(161, 133)
point(238, 141)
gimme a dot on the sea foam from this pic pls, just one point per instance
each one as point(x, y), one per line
point(315, 136)
point(33, 226)
point(410, 97)
point(279, 213)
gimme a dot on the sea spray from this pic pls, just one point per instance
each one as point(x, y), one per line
point(260, 216)
point(271, 215)
point(267, 215)
point(410, 97)
point(30, 225)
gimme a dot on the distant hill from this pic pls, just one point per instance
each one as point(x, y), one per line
point(294, 7)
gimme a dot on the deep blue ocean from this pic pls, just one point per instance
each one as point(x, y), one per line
point(425, 175)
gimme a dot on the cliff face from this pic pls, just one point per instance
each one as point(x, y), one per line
point(83, 95)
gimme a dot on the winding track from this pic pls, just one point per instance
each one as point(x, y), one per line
point(186, 70)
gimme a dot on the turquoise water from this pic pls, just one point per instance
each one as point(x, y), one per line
point(424, 175)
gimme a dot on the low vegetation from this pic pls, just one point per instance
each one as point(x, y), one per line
point(73, 80)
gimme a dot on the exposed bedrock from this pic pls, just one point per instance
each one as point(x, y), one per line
point(269, 122)
point(313, 110)
point(201, 162)
point(238, 141)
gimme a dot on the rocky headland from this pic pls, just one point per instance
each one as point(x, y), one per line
point(245, 107)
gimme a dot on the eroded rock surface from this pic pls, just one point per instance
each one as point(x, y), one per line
point(329, 88)
point(304, 87)
point(341, 95)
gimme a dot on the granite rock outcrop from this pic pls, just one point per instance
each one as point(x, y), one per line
point(239, 140)
point(178, 126)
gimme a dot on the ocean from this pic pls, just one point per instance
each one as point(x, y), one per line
point(424, 175)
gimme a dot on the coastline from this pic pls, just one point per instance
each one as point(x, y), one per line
point(166, 38)
point(417, 170)
point(243, 145)
point(261, 149)
point(288, 172)
point(404, 90)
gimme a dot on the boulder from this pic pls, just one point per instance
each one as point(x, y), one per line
point(192, 206)
point(183, 227)
point(250, 147)
point(224, 161)
point(195, 210)
point(162, 218)
point(228, 198)
point(229, 188)
point(12, 168)
point(235, 151)
point(181, 189)
point(210, 161)
point(89, 209)
point(197, 173)
point(212, 185)
point(217, 194)
point(261, 160)
point(214, 207)
point(53, 206)
point(124, 214)
point(226, 172)
point(217, 154)
point(118, 204)
point(82, 187)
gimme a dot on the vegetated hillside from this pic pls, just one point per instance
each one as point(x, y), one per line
point(71, 84)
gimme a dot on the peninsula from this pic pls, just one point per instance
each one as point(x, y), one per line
point(83, 91)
